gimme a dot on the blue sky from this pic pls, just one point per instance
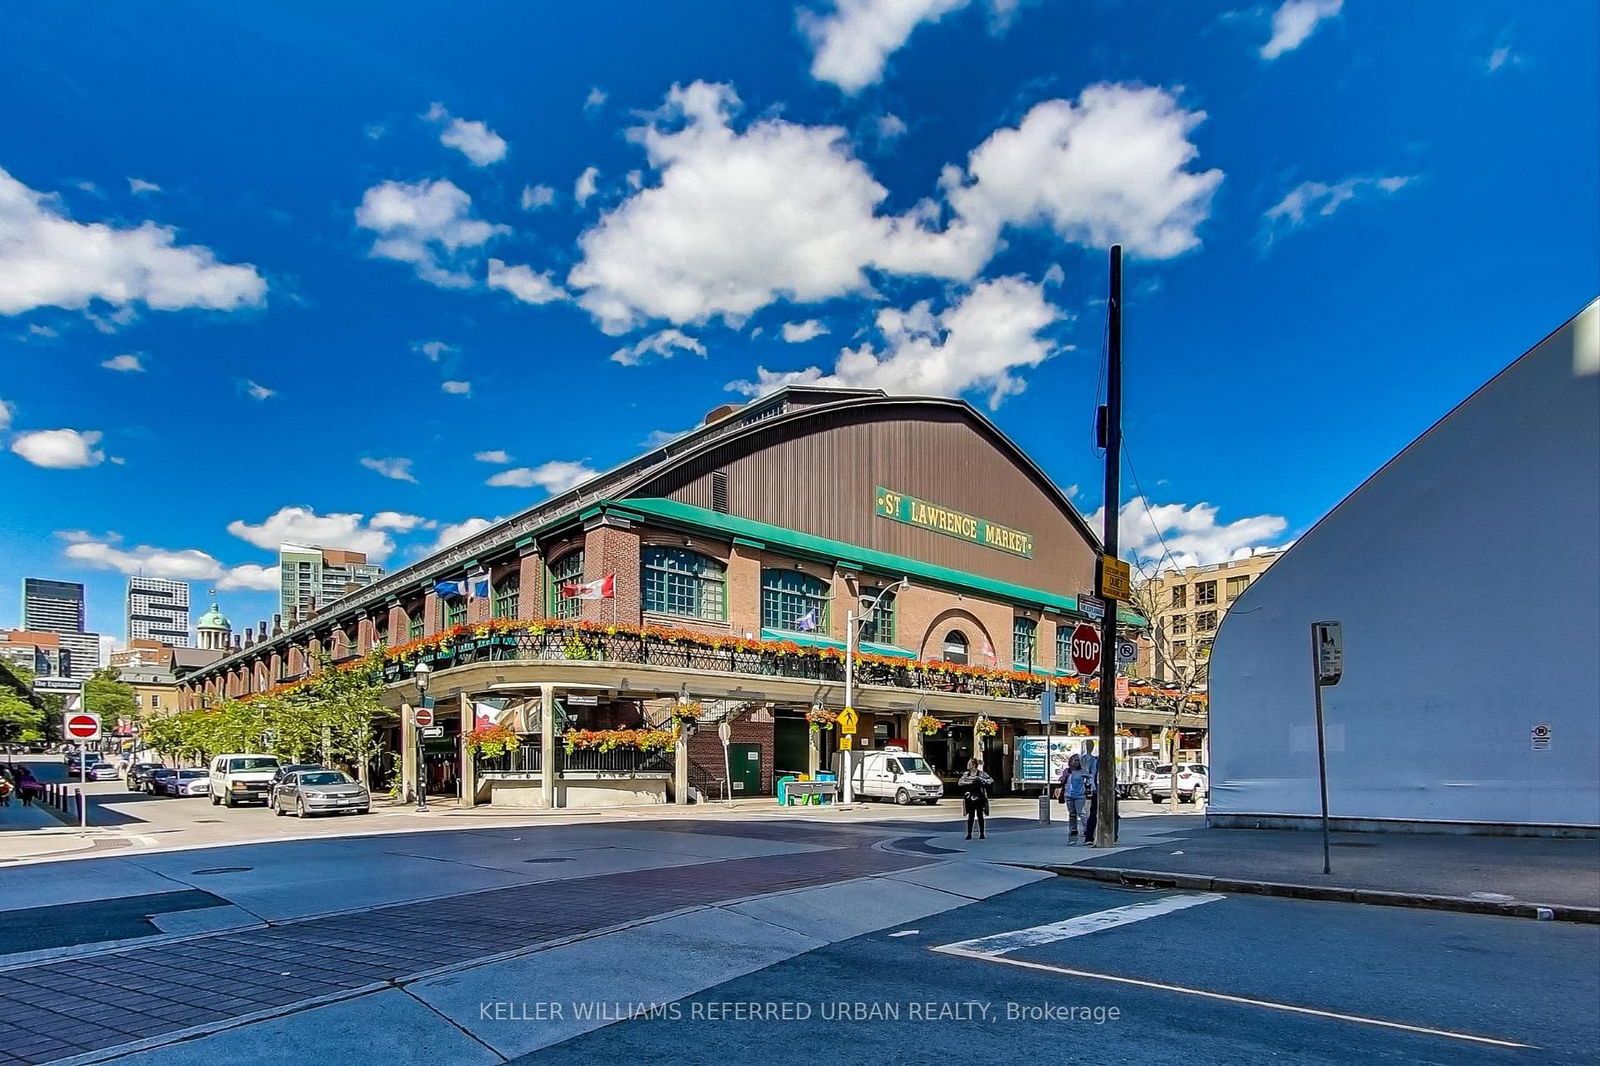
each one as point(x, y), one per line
point(329, 271)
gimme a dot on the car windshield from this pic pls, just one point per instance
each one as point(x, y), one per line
point(265, 762)
point(189, 775)
point(1164, 768)
point(325, 777)
point(913, 764)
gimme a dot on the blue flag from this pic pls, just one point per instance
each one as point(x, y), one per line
point(807, 622)
point(449, 588)
point(480, 588)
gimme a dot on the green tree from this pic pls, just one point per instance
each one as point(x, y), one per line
point(20, 720)
point(111, 699)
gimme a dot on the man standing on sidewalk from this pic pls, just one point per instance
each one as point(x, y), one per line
point(1091, 764)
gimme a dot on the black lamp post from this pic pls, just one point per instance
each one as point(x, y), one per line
point(421, 674)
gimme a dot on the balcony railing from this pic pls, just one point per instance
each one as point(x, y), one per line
point(527, 757)
point(646, 649)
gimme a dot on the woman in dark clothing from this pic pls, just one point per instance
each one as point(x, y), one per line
point(975, 785)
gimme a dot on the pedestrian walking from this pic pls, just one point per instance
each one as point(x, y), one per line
point(1074, 790)
point(975, 785)
point(1091, 766)
point(27, 786)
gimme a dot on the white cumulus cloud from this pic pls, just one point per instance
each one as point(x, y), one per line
point(741, 219)
point(428, 224)
point(433, 351)
point(535, 197)
point(125, 362)
point(472, 139)
point(1312, 200)
point(977, 344)
point(456, 388)
point(7, 412)
point(60, 449)
point(586, 185)
point(800, 332)
point(182, 564)
point(400, 522)
point(459, 531)
point(1293, 22)
point(256, 391)
point(1189, 534)
point(498, 456)
point(854, 40)
point(521, 281)
point(666, 344)
point(394, 468)
point(138, 186)
point(48, 260)
point(554, 476)
point(303, 525)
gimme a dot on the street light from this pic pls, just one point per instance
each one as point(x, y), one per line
point(421, 675)
point(850, 621)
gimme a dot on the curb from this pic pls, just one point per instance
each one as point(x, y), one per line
point(1375, 897)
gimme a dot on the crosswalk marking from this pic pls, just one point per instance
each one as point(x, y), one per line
point(1082, 925)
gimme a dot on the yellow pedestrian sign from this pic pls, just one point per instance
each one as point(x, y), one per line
point(848, 720)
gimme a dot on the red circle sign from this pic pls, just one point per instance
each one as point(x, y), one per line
point(82, 726)
point(423, 717)
point(1085, 648)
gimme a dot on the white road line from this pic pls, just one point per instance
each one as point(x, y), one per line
point(1082, 925)
point(1291, 1008)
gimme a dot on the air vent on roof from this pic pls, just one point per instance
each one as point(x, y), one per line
point(719, 491)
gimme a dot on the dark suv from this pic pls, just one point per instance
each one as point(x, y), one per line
point(139, 773)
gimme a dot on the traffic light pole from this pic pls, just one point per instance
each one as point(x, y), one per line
point(1105, 830)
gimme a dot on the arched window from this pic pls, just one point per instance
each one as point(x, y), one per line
point(1024, 641)
point(791, 599)
point(955, 647)
point(682, 582)
point(508, 595)
point(567, 570)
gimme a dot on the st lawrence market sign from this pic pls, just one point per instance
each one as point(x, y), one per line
point(915, 512)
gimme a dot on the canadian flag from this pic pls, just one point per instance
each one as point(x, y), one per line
point(603, 589)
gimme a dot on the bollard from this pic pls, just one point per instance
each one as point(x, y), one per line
point(1044, 807)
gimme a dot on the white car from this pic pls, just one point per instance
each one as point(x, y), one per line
point(238, 777)
point(1193, 784)
point(103, 771)
point(187, 783)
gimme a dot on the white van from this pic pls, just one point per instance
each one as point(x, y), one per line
point(238, 777)
point(894, 773)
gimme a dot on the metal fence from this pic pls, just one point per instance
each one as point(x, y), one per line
point(528, 757)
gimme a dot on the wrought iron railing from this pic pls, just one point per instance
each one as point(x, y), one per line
point(556, 645)
point(528, 757)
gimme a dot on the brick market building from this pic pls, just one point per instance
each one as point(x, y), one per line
point(735, 552)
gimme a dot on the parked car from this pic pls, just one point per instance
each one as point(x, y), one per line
point(236, 778)
point(283, 772)
point(1193, 784)
point(309, 792)
point(139, 773)
point(102, 771)
point(894, 773)
point(191, 782)
point(154, 778)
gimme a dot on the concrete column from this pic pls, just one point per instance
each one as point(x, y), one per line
point(469, 766)
point(680, 768)
point(408, 755)
point(547, 745)
point(914, 733)
point(813, 752)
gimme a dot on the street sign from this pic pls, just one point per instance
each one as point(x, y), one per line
point(81, 726)
point(57, 684)
point(846, 743)
point(582, 700)
point(1116, 580)
point(1085, 648)
point(1047, 704)
point(1093, 606)
point(1539, 737)
point(422, 717)
point(724, 732)
point(1122, 689)
point(1329, 639)
point(848, 720)
point(433, 731)
point(1127, 652)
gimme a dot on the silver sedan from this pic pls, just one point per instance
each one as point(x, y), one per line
point(320, 792)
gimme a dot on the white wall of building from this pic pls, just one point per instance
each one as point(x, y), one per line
point(1466, 574)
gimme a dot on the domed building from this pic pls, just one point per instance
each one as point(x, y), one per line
point(213, 630)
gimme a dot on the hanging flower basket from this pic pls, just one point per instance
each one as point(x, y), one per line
point(684, 713)
point(985, 728)
point(612, 739)
point(1078, 729)
point(931, 725)
point(821, 718)
point(492, 740)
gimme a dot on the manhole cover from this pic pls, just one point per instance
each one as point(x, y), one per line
point(551, 858)
point(223, 870)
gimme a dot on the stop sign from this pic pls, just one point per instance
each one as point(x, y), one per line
point(82, 726)
point(423, 717)
point(1085, 648)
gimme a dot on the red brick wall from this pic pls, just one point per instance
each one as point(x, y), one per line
point(613, 550)
point(530, 597)
point(430, 613)
point(705, 748)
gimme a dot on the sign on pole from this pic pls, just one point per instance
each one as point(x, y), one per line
point(1093, 606)
point(1047, 704)
point(1329, 638)
point(846, 742)
point(433, 731)
point(1116, 579)
point(1127, 652)
point(848, 720)
point(57, 684)
point(1085, 648)
point(422, 717)
point(81, 725)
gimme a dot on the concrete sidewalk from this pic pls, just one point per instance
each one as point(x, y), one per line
point(1510, 875)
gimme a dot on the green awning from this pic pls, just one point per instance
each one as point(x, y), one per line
point(817, 640)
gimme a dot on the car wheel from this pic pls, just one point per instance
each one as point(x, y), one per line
point(278, 811)
point(1157, 798)
point(902, 798)
point(300, 808)
point(215, 800)
point(227, 800)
